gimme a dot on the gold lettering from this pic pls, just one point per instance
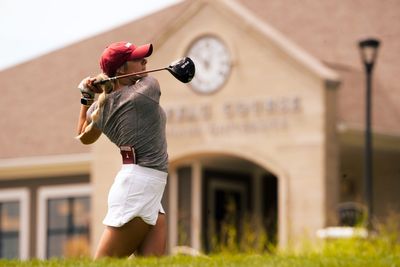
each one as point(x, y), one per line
point(239, 116)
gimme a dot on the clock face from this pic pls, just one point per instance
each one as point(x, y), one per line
point(213, 64)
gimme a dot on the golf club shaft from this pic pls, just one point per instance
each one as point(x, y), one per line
point(127, 75)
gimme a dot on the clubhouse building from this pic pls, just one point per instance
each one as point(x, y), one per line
point(270, 131)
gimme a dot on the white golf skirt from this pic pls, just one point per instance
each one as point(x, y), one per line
point(136, 192)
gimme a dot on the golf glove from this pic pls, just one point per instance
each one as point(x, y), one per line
point(87, 94)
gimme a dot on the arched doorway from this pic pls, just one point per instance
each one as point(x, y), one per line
point(216, 197)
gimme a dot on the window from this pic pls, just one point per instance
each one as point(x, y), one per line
point(64, 219)
point(14, 225)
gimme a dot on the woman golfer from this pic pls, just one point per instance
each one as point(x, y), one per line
point(128, 112)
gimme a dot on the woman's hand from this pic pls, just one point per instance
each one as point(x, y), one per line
point(106, 86)
point(88, 90)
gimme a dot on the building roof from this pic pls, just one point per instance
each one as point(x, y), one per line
point(330, 31)
point(40, 101)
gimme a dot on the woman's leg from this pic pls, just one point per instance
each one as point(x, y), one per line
point(122, 241)
point(155, 240)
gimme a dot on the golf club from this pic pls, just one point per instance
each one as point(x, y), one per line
point(182, 69)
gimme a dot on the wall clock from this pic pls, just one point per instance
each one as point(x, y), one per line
point(213, 63)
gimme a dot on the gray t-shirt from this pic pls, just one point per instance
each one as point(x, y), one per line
point(132, 116)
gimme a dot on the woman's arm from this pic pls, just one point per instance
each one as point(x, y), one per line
point(82, 123)
point(87, 135)
point(90, 136)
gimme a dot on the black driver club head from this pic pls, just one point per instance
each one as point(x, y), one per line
point(183, 69)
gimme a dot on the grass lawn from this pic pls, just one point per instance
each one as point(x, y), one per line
point(226, 260)
point(339, 253)
point(374, 252)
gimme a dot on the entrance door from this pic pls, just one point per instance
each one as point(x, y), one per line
point(226, 204)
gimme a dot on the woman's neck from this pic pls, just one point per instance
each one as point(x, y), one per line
point(124, 82)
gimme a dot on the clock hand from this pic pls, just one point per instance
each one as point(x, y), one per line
point(207, 64)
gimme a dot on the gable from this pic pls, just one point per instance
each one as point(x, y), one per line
point(240, 18)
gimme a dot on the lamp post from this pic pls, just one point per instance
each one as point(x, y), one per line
point(368, 49)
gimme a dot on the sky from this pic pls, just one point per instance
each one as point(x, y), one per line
point(30, 28)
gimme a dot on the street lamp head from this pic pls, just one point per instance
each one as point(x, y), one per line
point(369, 48)
point(374, 43)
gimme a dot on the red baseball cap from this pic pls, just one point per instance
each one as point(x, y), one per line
point(116, 54)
